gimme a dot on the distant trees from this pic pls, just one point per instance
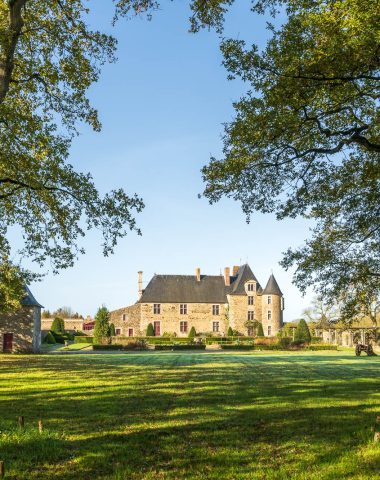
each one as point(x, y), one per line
point(63, 312)
point(102, 326)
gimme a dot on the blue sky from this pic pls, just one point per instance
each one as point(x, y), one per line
point(162, 106)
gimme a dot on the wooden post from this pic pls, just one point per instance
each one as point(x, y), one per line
point(2, 469)
point(40, 426)
point(21, 422)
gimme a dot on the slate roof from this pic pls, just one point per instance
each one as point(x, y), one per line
point(272, 287)
point(29, 300)
point(186, 288)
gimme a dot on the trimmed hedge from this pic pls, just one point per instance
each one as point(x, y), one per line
point(321, 347)
point(131, 346)
point(83, 339)
point(190, 346)
point(228, 346)
point(221, 340)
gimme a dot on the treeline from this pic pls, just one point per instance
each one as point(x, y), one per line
point(63, 312)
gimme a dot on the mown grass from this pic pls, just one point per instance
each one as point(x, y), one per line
point(190, 416)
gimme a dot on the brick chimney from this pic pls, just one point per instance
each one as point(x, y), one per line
point(140, 291)
point(198, 274)
point(227, 276)
point(235, 270)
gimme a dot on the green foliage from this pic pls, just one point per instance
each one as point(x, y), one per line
point(260, 330)
point(49, 339)
point(83, 339)
point(302, 333)
point(112, 330)
point(230, 332)
point(102, 327)
point(179, 346)
point(58, 325)
point(308, 129)
point(150, 330)
point(192, 333)
point(285, 342)
point(236, 346)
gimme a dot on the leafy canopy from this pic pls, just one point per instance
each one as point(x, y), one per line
point(305, 141)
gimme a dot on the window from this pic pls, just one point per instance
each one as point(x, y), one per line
point(183, 309)
point(215, 326)
point(282, 303)
point(269, 330)
point(157, 308)
point(215, 309)
point(269, 315)
point(124, 317)
point(250, 300)
point(118, 331)
point(250, 287)
point(130, 332)
point(269, 299)
point(251, 315)
point(251, 331)
point(183, 327)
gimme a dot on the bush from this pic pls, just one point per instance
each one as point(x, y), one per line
point(302, 333)
point(49, 339)
point(316, 339)
point(150, 330)
point(138, 345)
point(83, 339)
point(321, 347)
point(236, 346)
point(58, 325)
point(112, 330)
point(58, 337)
point(230, 332)
point(102, 326)
point(260, 330)
point(266, 341)
point(188, 346)
point(284, 342)
point(192, 332)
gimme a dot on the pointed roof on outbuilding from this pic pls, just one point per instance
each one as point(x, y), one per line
point(29, 300)
point(272, 287)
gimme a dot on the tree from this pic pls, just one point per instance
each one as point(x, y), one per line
point(58, 326)
point(102, 327)
point(306, 142)
point(49, 339)
point(302, 333)
point(230, 332)
point(260, 330)
point(112, 330)
point(192, 332)
point(321, 312)
point(150, 330)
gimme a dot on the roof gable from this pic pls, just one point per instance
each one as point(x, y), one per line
point(243, 276)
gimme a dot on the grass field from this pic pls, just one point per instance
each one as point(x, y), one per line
point(190, 416)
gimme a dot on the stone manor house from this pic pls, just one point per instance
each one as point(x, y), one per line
point(174, 304)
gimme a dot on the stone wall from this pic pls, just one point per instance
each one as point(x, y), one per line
point(199, 316)
point(239, 308)
point(128, 318)
point(71, 324)
point(25, 325)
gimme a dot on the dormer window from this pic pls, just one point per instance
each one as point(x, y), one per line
point(251, 287)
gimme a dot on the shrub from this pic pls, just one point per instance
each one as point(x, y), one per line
point(58, 337)
point(284, 342)
point(188, 346)
point(102, 327)
point(58, 325)
point(49, 339)
point(83, 339)
point(230, 332)
point(321, 347)
point(266, 341)
point(137, 345)
point(302, 333)
point(316, 339)
point(260, 330)
point(112, 330)
point(236, 346)
point(192, 332)
point(150, 330)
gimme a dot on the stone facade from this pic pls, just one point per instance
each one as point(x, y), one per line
point(174, 304)
point(21, 331)
point(71, 324)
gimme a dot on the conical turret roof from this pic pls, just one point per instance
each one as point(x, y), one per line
point(29, 299)
point(272, 287)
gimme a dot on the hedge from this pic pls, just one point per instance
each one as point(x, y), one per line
point(228, 346)
point(221, 340)
point(322, 347)
point(131, 346)
point(83, 339)
point(190, 346)
point(151, 340)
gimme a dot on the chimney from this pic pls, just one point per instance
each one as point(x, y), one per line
point(140, 284)
point(227, 276)
point(235, 270)
point(198, 274)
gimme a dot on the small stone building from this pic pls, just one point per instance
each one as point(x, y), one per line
point(21, 331)
point(211, 304)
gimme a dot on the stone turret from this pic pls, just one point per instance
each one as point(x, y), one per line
point(272, 307)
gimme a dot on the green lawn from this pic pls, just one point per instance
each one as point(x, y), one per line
point(191, 416)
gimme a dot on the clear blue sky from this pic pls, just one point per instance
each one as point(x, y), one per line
point(162, 106)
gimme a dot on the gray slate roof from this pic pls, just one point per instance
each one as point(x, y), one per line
point(186, 288)
point(29, 300)
point(272, 287)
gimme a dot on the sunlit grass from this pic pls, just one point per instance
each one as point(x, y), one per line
point(190, 416)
